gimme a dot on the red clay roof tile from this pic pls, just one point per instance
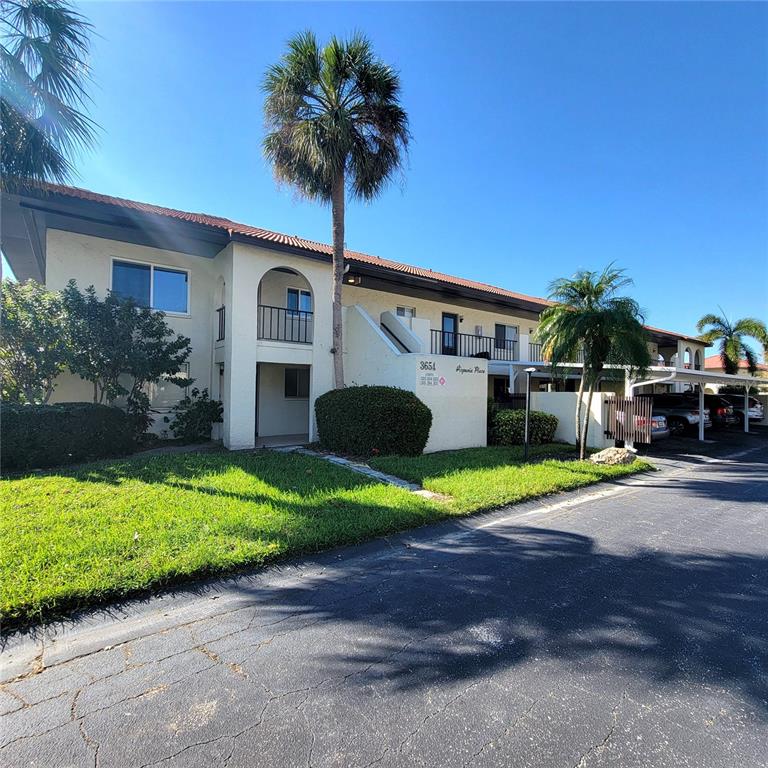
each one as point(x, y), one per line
point(257, 233)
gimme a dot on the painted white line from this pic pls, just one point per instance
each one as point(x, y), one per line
point(632, 483)
point(565, 504)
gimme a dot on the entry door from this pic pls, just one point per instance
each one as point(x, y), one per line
point(450, 333)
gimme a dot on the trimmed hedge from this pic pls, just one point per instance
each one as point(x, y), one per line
point(507, 427)
point(366, 421)
point(36, 436)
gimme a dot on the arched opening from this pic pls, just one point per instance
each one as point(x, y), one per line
point(688, 358)
point(285, 307)
point(697, 360)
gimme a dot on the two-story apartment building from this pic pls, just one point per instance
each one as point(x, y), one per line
point(257, 307)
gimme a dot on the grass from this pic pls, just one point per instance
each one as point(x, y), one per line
point(484, 478)
point(76, 538)
point(109, 529)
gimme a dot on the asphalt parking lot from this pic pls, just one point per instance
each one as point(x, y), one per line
point(621, 626)
point(717, 442)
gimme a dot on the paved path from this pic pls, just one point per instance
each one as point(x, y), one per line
point(627, 627)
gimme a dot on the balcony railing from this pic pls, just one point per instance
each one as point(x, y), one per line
point(535, 355)
point(467, 345)
point(221, 318)
point(281, 324)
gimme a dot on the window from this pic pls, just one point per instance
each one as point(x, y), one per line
point(297, 382)
point(150, 286)
point(506, 335)
point(408, 312)
point(298, 300)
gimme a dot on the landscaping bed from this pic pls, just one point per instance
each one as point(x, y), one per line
point(79, 537)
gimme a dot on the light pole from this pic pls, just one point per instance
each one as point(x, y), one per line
point(528, 372)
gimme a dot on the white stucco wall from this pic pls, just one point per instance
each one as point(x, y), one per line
point(243, 349)
point(563, 405)
point(454, 388)
point(278, 414)
point(375, 302)
point(88, 260)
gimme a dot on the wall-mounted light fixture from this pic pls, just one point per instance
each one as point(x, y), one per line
point(351, 279)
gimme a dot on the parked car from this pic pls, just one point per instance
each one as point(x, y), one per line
point(681, 415)
point(720, 409)
point(659, 427)
point(755, 407)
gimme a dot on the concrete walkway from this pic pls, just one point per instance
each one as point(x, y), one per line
point(624, 625)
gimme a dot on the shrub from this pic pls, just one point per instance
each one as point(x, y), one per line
point(36, 436)
point(366, 421)
point(507, 427)
point(195, 416)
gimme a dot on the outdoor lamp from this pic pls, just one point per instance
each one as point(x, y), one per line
point(528, 372)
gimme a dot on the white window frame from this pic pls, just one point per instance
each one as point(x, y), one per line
point(152, 265)
point(404, 315)
point(300, 291)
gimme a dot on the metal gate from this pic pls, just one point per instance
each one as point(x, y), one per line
point(628, 419)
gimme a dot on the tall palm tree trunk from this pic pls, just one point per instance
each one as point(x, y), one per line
point(587, 414)
point(578, 411)
point(337, 212)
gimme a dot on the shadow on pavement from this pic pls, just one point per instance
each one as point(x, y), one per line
point(492, 601)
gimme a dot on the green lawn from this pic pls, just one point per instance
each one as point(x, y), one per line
point(483, 478)
point(72, 538)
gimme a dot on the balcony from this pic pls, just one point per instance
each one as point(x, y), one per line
point(467, 345)
point(280, 324)
point(535, 354)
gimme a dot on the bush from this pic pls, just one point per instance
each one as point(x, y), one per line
point(507, 427)
point(195, 416)
point(36, 436)
point(365, 421)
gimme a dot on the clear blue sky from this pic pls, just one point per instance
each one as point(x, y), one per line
point(546, 137)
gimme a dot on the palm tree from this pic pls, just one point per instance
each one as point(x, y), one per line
point(335, 124)
point(731, 337)
point(588, 317)
point(43, 76)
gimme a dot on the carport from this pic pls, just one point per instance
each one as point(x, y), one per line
point(666, 375)
point(656, 374)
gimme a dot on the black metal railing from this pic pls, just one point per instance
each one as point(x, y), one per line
point(281, 324)
point(221, 314)
point(467, 345)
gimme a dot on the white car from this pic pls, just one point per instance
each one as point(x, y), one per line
point(755, 407)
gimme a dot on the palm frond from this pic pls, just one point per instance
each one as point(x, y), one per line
point(43, 80)
point(334, 112)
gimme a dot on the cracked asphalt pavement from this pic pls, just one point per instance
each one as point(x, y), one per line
point(623, 626)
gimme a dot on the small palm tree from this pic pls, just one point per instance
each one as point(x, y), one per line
point(43, 77)
point(731, 337)
point(335, 124)
point(589, 317)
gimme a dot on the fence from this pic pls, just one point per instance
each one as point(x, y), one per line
point(628, 419)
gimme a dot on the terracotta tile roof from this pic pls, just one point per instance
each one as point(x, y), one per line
point(266, 235)
point(714, 363)
point(311, 246)
point(675, 334)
